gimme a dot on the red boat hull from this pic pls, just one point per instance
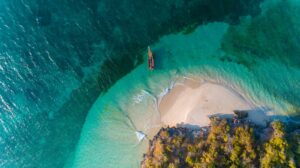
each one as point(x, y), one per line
point(150, 59)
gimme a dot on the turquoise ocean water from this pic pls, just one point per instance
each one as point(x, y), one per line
point(75, 89)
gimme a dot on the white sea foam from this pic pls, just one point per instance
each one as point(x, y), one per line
point(140, 135)
point(139, 97)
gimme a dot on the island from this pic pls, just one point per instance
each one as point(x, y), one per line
point(230, 143)
point(206, 124)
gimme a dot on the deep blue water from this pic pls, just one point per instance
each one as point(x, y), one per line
point(57, 56)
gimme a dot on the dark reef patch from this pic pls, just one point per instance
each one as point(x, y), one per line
point(272, 36)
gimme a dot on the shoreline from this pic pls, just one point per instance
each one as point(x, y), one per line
point(192, 102)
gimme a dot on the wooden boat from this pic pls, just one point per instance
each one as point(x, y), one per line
point(150, 59)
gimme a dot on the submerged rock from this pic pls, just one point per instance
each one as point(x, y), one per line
point(241, 114)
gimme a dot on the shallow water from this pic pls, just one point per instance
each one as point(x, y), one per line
point(209, 53)
point(57, 57)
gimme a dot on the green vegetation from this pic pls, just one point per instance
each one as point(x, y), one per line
point(243, 153)
point(275, 150)
point(225, 144)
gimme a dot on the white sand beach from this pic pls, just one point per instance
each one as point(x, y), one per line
point(193, 102)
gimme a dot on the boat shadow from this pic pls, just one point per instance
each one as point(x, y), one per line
point(161, 57)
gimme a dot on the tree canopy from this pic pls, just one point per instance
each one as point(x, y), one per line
point(223, 144)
